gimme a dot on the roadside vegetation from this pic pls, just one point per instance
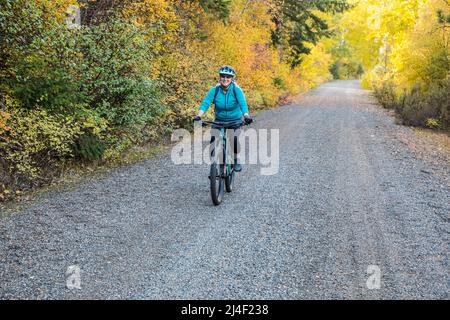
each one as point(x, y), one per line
point(401, 50)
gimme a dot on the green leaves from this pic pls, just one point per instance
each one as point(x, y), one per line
point(299, 23)
point(218, 8)
point(442, 18)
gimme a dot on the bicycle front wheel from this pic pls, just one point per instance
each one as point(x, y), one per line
point(216, 182)
point(229, 181)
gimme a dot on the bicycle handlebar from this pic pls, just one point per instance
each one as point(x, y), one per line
point(223, 124)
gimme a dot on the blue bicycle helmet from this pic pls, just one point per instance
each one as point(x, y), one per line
point(227, 70)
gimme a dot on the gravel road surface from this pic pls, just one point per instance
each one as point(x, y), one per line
point(351, 201)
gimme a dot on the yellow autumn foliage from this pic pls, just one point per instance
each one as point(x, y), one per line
point(404, 47)
point(399, 41)
point(424, 53)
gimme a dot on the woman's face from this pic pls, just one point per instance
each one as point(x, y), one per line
point(225, 80)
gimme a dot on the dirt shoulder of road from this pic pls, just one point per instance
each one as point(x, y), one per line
point(430, 141)
point(429, 145)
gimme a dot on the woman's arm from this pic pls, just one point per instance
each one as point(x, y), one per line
point(242, 101)
point(206, 103)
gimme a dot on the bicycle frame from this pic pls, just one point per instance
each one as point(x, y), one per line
point(227, 160)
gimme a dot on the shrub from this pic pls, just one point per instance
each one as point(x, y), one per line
point(89, 147)
point(385, 94)
point(432, 123)
point(421, 106)
point(36, 142)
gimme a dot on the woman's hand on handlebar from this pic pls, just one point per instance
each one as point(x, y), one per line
point(247, 119)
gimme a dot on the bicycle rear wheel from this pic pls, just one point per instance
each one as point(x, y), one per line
point(216, 183)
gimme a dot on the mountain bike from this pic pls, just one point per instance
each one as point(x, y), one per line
point(221, 172)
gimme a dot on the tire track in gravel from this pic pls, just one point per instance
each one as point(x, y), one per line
point(348, 194)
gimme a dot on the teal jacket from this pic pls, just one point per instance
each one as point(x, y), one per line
point(227, 107)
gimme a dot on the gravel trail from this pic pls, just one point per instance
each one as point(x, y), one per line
point(349, 194)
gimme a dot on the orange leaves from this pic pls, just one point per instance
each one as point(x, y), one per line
point(4, 116)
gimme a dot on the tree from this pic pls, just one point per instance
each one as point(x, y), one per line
point(219, 8)
point(301, 22)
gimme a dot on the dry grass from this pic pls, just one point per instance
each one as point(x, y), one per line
point(437, 140)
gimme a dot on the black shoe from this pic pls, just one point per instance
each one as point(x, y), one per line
point(237, 166)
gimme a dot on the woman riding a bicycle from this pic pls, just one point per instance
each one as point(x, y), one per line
point(229, 105)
